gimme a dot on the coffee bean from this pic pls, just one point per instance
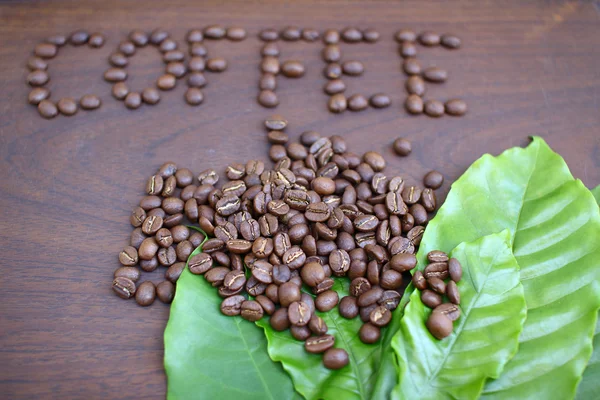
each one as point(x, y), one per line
point(353, 68)
point(276, 122)
point(418, 280)
point(58, 40)
point(133, 100)
point(348, 307)
point(452, 311)
point(145, 294)
point(45, 50)
point(167, 256)
point(129, 256)
point(437, 285)
point(334, 86)
point(415, 86)
point(38, 78)
point(292, 69)
point(434, 108)
point(411, 66)
point(300, 332)
point(127, 47)
point(414, 104)
point(369, 297)
point(403, 262)
point(335, 359)
point(118, 60)
point(183, 250)
point(267, 82)
point(268, 35)
point(214, 32)
point(236, 33)
point(193, 96)
point(268, 98)
point(196, 64)
point(429, 39)
point(312, 274)
point(79, 37)
point(415, 235)
point(357, 102)
point(299, 313)
point(450, 41)
point(326, 300)
point(380, 100)
point(37, 95)
point(124, 287)
point(352, 35)
point(270, 65)
point(120, 90)
point(406, 35)
point(435, 74)
point(200, 263)
point(430, 298)
point(67, 106)
point(337, 103)
point(150, 96)
point(176, 68)
point(331, 53)
point(369, 333)
point(232, 306)
point(115, 75)
point(439, 325)
point(408, 49)
point(310, 35)
point(158, 35)
point(36, 63)
point(174, 271)
point(333, 71)
point(437, 270)
point(370, 35)
point(89, 102)
point(456, 107)
point(47, 109)
point(165, 292)
point(380, 316)
point(96, 40)
point(319, 344)
point(166, 82)
point(136, 238)
point(331, 36)
point(455, 270)
point(198, 50)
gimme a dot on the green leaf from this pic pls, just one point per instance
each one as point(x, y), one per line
point(555, 225)
point(209, 355)
point(485, 336)
point(371, 373)
point(589, 387)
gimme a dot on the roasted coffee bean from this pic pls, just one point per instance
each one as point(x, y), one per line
point(310, 35)
point(434, 108)
point(198, 50)
point(411, 66)
point(148, 249)
point(124, 287)
point(414, 104)
point(183, 250)
point(228, 205)
point(38, 78)
point(429, 39)
point(150, 96)
point(300, 332)
point(165, 291)
point(309, 245)
point(395, 203)
point(173, 220)
point(366, 223)
point(263, 271)
point(216, 276)
point(325, 247)
point(292, 69)
point(236, 34)
point(390, 299)
point(433, 179)
point(89, 102)
point(194, 96)
point(312, 274)
point(415, 235)
point(96, 40)
point(279, 320)
point(452, 292)
point(232, 306)
point(166, 82)
point(267, 82)
point(234, 280)
point(145, 294)
point(326, 300)
point(380, 316)
point(437, 285)
point(67, 106)
point(149, 265)
point(129, 256)
point(455, 270)
point(369, 297)
point(380, 100)
point(176, 68)
point(403, 262)
point(172, 274)
point(333, 71)
point(251, 310)
point(353, 68)
point(415, 85)
point(223, 259)
point(334, 86)
point(348, 307)
point(331, 53)
point(228, 232)
point(402, 147)
point(137, 237)
point(357, 102)
point(115, 75)
point(331, 36)
point(262, 247)
point(452, 311)
point(152, 224)
point(325, 285)
point(294, 257)
point(196, 64)
point(339, 262)
point(450, 41)
point(127, 47)
point(127, 272)
point(214, 32)
point(36, 63)
point(405, 35)
point(158, 35)
point(335, 359)
point(352, 35)
point(268, 35)
point(118, 59)
point(370, 35)
point(419, 280)
point(419, 213)
point(200, 263)
point(369, 333)
point(435, 74)
point(428, 201)
point(408, 49)
point(37, 95)
point(270, 65)
point(391, 279)
point(172, 205)
point(319, 344)
point(373, 272)
point(436, 270)
point(45, 50)
point(299, 313)
point(289, 293)
point(455, 107)
point(138, 38)
point(79, 37)
point(268, 98)
point(430, 298)
point(437, 256)
point(317, 212)
point(167, 256)
point(133, 100)
point(439, 325)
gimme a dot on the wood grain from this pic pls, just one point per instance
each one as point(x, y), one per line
point(526, 68)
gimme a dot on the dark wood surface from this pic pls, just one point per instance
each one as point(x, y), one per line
point(526, 68)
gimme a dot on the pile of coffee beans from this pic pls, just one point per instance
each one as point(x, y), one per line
point(320, 212)
point(415, 85)
point(437, 283)
point(38, 77)
point(336, 67)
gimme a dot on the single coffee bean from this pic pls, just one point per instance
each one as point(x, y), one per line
point(325, 285)
point(167, 256)
point(429, 39)
point(414, 104)
point(430, 298)
point(120, 90)
point(145, 294)
point(67, 106)
point(435, 74)
point(193, 36)
point(152, 224)
point(348, 307)
point(36, 95)
point(129, 256)
point(331, 36)
point(38, 78)
point(232, 306)
point(300, 332)
point(165, 292)
point(149, 265)
point(127, 47)
point(214, 32)
point(148, 249)
point(452, 292)
point(89, 102)
point(415, 85)
point(150, 96)
point(357, 102)
point(390, 299)
point(293, 69)
point(194, 96)
point(319, 344)
point(158, 35)
point(174, 271)
point(137, 237)
point(437, 256)
point(139, 38)
point(326, 300)
point(127, 272)
point(331, 53)
point(437, 285)
point(335, 359)
point(439, 325)
point(369, 333)
point(391, 279)
point(380, 316)
point(196, 64)
point(434, 108)
point(455, 270)
point(268, 98)
point(352, 35)
point(133, 100)
point(279, 320)
point(408, 49)
point(317, 325)
point(419, 213)
point(334, 86)
point(96, 40)
point(452, 311)
point(267, 81)
point(299, 313)
point(339, 262)
point(118, 59)
point(234, 280)
point(270, 65)
point(268, 35)
point(411, 66)
point(370, 35)
point(200, 263)
point(433, 179)
point(115, 75)
point(403, 262)
point(216, 276)
point(310, 35)
point(312, 274)
point(353, 68)
point(183, 250)
point(267, 305)
point(455, 107)
point(380, 100)
point(450, 41)
point(45, 50)
point(236, 34)
point(405, 35)
point(437, 270)
point(333, 71)
point(429, 202)
point(166, 82)
point(36, 63)
point(124, 287)
point(177, 69)
point(337, 103)
point(369, 297)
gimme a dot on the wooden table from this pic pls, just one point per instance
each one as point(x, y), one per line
point(69, 184)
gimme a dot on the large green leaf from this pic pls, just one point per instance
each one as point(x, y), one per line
point(485, 336)
point(589, 387)
point(211, 356)
point(555, 226)
point(371, 373)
